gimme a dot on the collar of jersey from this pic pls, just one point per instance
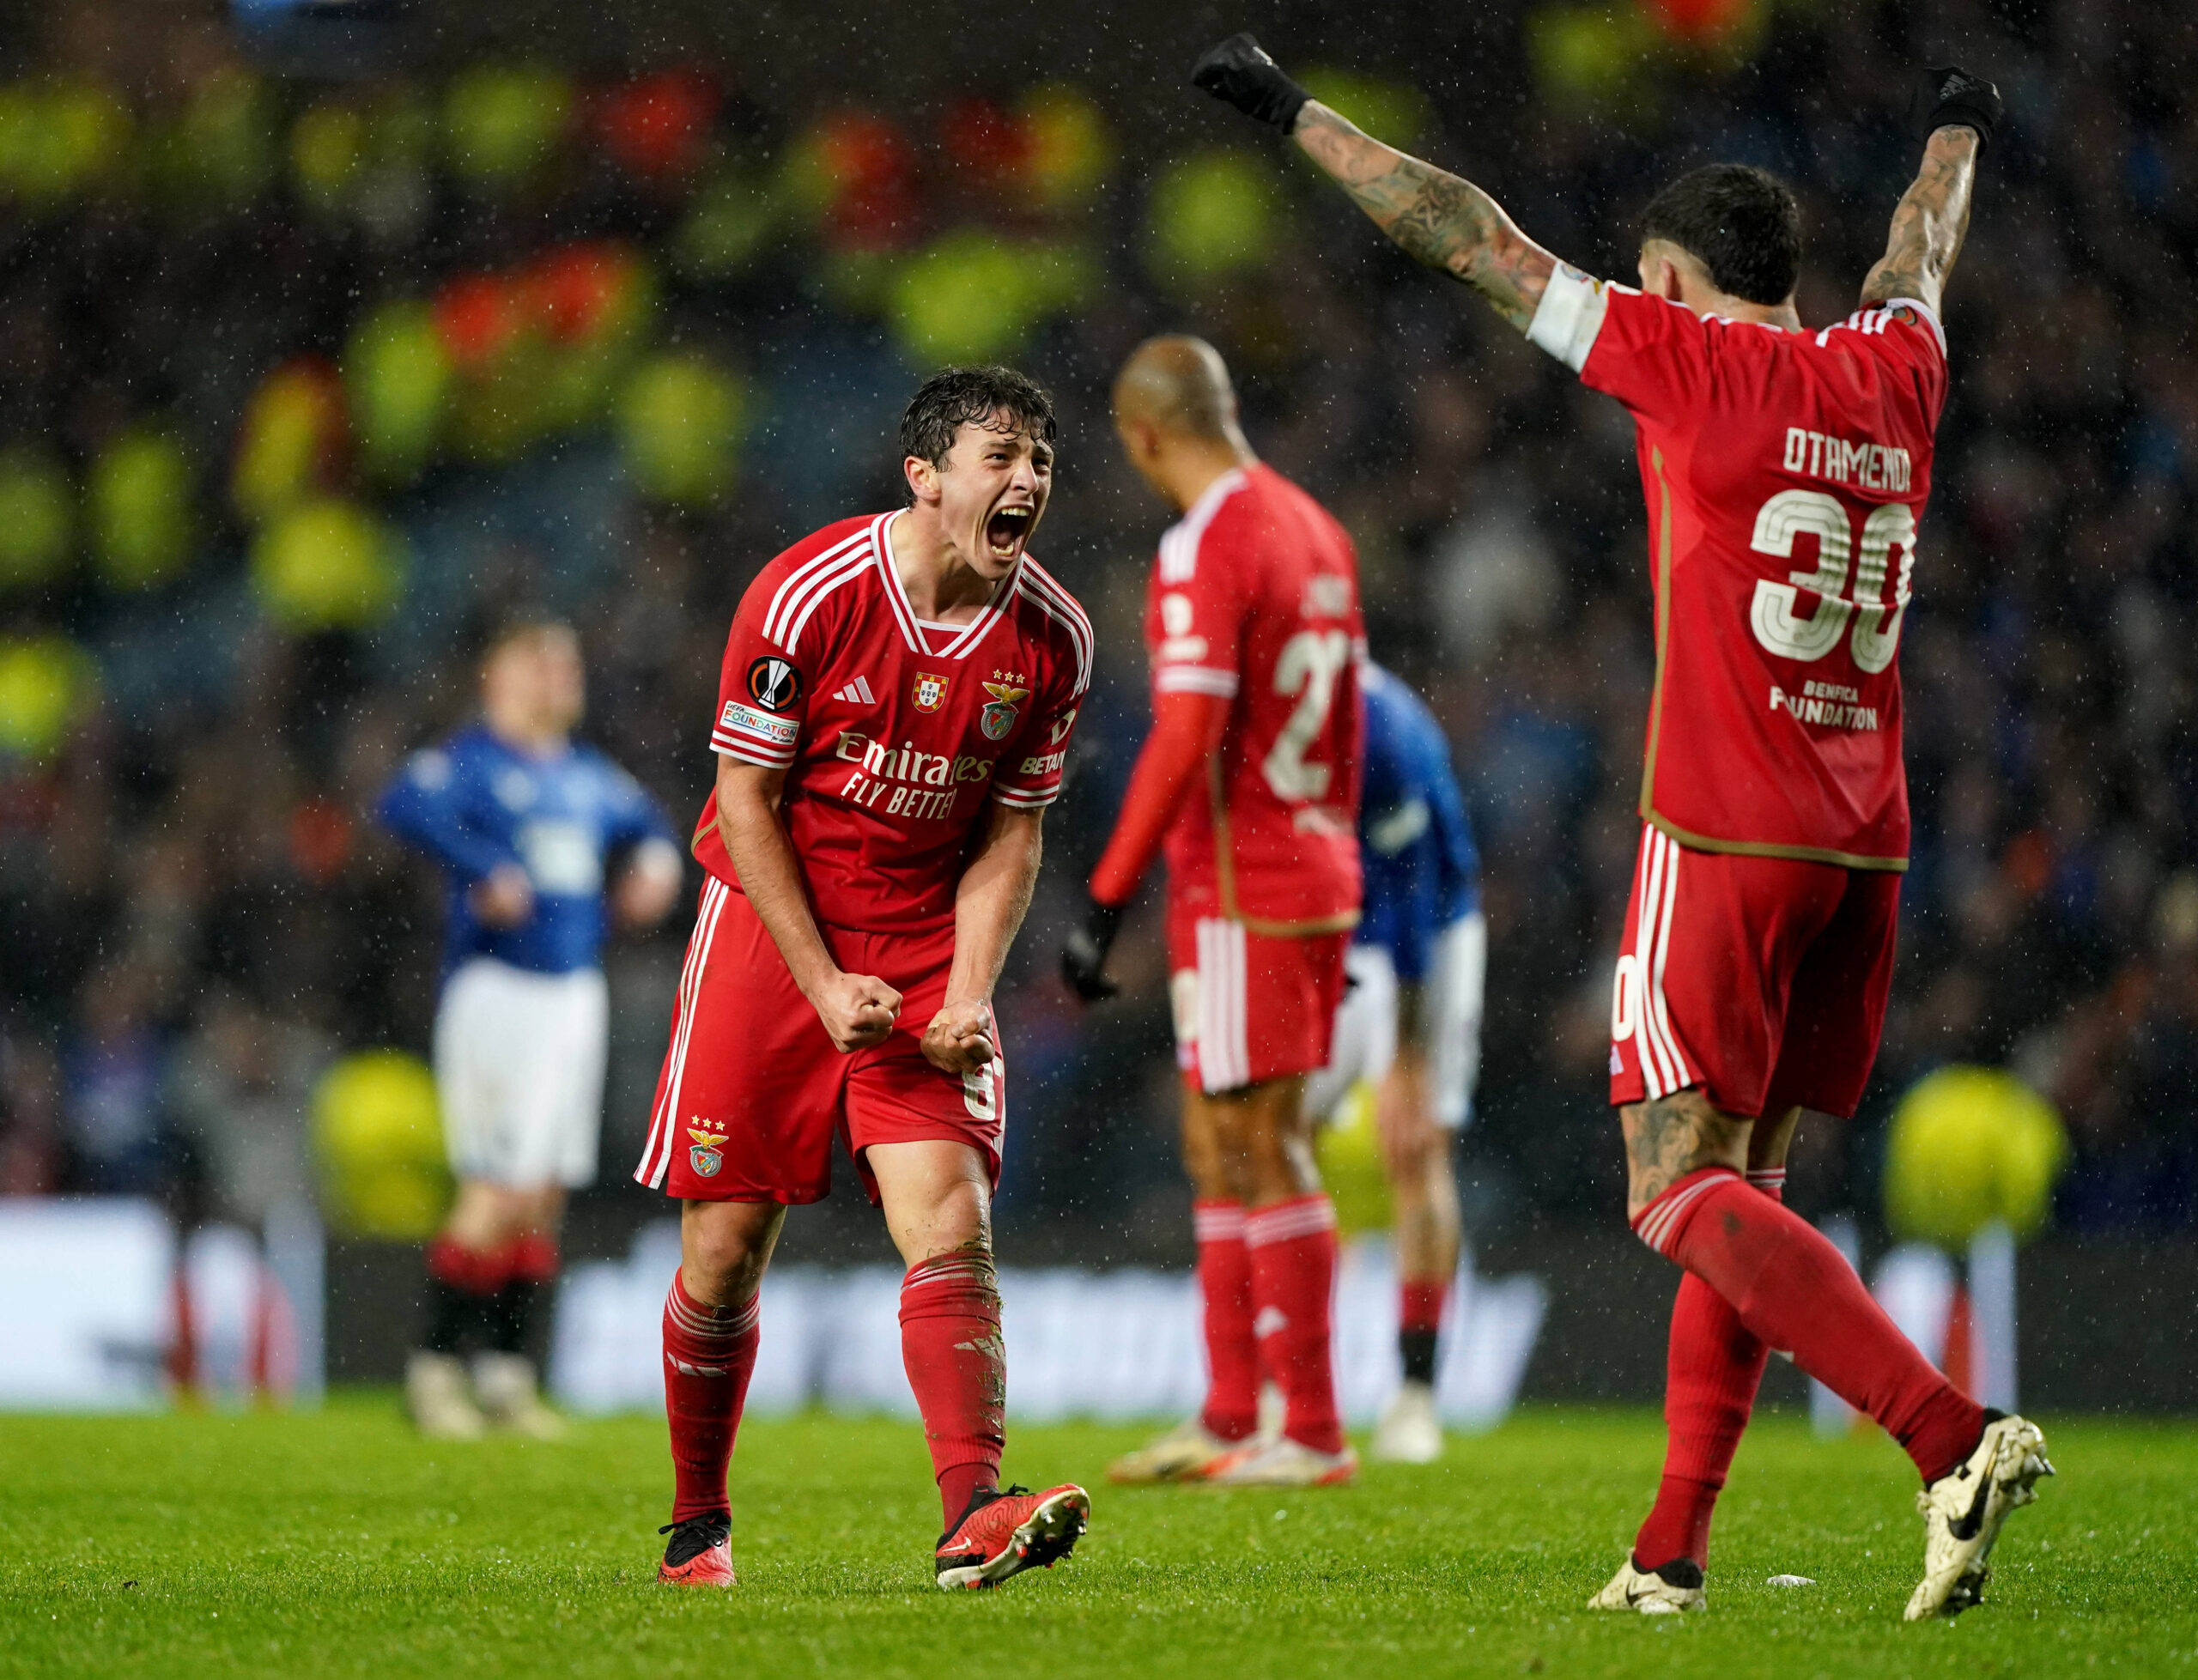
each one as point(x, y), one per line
point(966, 636)
point(1214, 494)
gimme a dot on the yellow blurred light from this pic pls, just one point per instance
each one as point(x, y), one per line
point(1969, 1145)
point(397, 376)
point(377, 1137)
point(328, 147)
point(38, 518)
point(1070, 152)
point(140, 505)
point(327, 564)
point(59, 139)
point(1211, 214)
point(48, 685)
point(728, 227)
point(1395, 111)
point(1589, 57)
point(680, 422)
point(969, 295)
point(1348, 1151)
point(222, 147)
point(291, 437)
point(502, 122)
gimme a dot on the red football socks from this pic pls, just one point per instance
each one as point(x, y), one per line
point(709, 1353)
point(1419, 1304)
point(1293, 1253)
point(1232, 1353)
point(1794, 1290)
point(957, 1366)
point(1711, 1373)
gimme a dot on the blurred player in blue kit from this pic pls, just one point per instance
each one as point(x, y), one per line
point(1411, 1022)
point(542, 841)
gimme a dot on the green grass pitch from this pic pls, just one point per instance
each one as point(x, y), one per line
point(338, 1543)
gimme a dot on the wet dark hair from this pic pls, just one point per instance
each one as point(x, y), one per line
point(957, 396)
point(1743, 223)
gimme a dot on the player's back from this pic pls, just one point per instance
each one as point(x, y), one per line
point(1255, 599)
point(1416, 847)
point(1786, 472)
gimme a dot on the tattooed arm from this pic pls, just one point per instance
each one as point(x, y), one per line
point(1930, 222)
point(1446, 222)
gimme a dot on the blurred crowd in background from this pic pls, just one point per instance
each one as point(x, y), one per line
point(301, 381)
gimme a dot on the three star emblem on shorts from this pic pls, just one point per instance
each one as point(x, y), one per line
point(706, 1157)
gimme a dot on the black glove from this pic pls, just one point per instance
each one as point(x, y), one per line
point(1240, 72)
point(1084, 958)
point(1955, 97)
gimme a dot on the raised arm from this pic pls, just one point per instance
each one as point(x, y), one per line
point(1929, 226)
point(1932, 218)
point(1444, 221)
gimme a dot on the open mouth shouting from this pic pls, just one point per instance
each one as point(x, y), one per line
point(1008, 528)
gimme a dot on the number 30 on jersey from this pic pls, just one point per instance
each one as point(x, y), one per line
point(1782, 630)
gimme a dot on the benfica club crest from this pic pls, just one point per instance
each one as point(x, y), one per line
point(930, 691)
point(705, 1156)
point(999, 714)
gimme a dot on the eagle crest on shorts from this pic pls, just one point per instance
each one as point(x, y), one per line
point(705, 1157)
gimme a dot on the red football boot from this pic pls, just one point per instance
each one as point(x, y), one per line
point(698, 1555)
point(1004, 1533)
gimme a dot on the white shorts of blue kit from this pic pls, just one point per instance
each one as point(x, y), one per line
point(519, 1069)
point(1367, 1023)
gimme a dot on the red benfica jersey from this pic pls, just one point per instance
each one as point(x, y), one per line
point(894, 733)
point(1255, 598)
point(1786, 474)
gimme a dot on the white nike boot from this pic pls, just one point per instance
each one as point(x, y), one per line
point(1409, 1433)
point(1962, 1511)
point(1181, 1455)
point(505, 1383)
point(1670, 1590)
point(439, 1397)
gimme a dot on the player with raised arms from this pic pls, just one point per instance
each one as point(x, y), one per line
point(541, 841)
point(895, 707)
point(1786, 472)
point(1409, 1024)
point(1249, 778)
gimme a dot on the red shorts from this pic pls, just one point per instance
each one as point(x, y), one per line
point(753, 1089)
point(1761, 979)
point(1250, 1006)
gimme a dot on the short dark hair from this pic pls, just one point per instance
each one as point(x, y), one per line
point(1743, 223)
point(957, 396)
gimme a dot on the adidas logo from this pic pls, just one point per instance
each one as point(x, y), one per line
point(857, 693)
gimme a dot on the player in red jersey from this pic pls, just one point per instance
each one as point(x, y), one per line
point(897, 695)
point(1252, 626)
point(1785, 471)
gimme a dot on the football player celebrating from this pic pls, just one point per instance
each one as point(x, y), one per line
point(1785, 474)
point(1411, 1022)
point(1250, 779)
point(895, 705)
point(522, 822)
